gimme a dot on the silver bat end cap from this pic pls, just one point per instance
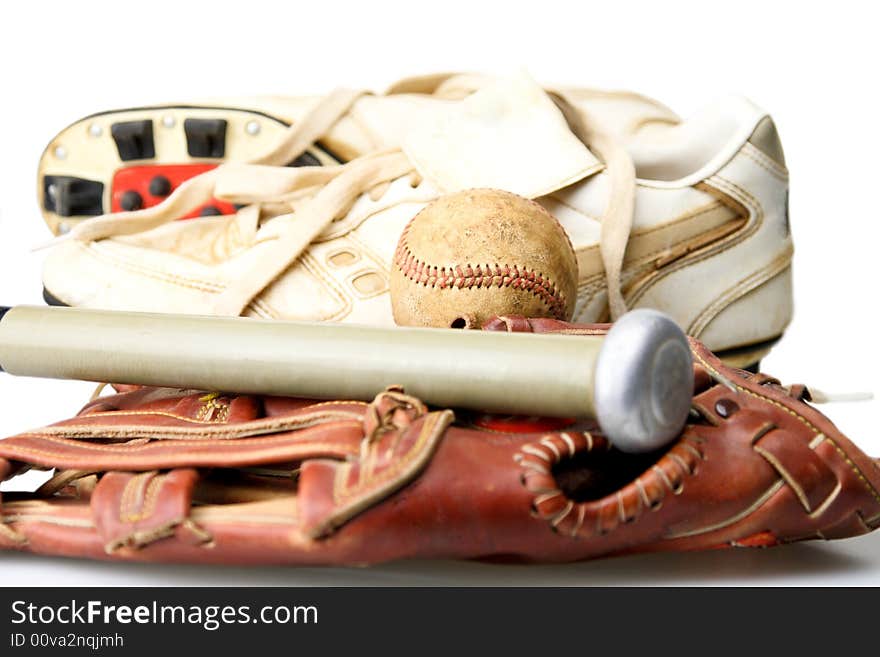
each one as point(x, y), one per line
point(643, 381)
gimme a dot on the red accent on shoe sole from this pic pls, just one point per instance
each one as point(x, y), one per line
point(137, 179)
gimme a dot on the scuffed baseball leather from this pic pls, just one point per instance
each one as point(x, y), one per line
point(170, 475)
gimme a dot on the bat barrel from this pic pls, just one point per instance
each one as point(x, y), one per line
point(551, 375)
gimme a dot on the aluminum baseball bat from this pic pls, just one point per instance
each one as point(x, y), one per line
point(636, 381)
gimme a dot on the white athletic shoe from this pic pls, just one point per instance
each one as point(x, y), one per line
point(129, 159)
point(689, 217)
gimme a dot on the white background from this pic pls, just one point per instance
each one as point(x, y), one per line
point(814, 67)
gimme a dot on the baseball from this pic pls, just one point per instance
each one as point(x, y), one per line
point(471, 255)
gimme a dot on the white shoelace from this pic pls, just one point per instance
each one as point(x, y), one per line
point(312, 197)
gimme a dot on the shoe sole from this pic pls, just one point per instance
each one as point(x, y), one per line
point(134, 158)
point(748, 357)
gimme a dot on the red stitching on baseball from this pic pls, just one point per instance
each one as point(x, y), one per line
point(478, 276)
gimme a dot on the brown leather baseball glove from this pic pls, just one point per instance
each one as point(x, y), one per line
point(171, 475)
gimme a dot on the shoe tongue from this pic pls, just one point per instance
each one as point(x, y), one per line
point(508, 135)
